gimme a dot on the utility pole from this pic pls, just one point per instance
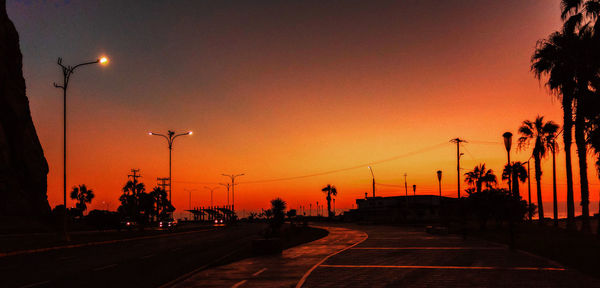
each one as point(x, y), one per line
point(162, 183)
point(227, 185)
point(458, 154)
point(135, 175)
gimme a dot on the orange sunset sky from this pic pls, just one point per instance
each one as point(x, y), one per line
point(283, 89)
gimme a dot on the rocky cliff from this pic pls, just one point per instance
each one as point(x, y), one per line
point(23, 167)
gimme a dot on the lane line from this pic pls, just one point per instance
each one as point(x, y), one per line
point(189, 274)
point(36, 284)
point(305, 276)
point(428, 248)
point(449, 267)
point(147, 256)
point(104, 267)
point(31, 251)
point(259, 271)
point(239, 284)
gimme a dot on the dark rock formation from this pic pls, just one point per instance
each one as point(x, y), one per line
point(23, 167)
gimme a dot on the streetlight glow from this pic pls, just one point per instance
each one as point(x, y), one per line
point(103, 60)
point(190, 133)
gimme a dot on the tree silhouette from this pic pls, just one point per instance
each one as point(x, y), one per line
point(480, 176)
point(537, 131)
point(160, 197)
point(331, 191)
point(278, 207)
point(594, 140)
point(519, 173)
point(130, 199)
point(553, 58)
point(83, 195)
point(553, 147)
point(571, 60)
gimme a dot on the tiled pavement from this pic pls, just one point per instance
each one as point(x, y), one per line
point(403, 257)
point(392, 257)
point(283, 270)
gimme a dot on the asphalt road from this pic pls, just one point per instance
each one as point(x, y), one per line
point(148, 262)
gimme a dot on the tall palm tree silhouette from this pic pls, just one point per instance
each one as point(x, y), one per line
point(581, 18)
point(553, 147)
point(594, 140)
point(83, 195)
point(480, 176)
point(331, 191)
point(519, 173)
point(537, 131)
point(553, 58)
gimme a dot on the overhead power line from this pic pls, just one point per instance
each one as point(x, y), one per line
point(349, 168)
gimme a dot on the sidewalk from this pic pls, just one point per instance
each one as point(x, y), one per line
point(284, 270)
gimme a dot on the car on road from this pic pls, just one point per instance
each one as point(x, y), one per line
point(167, 224)
point(127, 224)
point(219, 221)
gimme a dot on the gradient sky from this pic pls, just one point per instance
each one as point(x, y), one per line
point(285, 88)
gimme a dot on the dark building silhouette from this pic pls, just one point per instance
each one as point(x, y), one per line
point(23, 167)
point(402, 209)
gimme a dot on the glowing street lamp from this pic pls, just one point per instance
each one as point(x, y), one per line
point(67, 72)
point(170, 137)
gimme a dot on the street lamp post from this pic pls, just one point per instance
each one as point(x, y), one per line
point(507, 144)
point(67, 72)
point(211, 193)
point(439, 176)
point(227, 185)
point(373, 177)
point(190, 193)
point(170, 137)
point(233, 176)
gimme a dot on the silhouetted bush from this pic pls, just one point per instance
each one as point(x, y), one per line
point(102, 219)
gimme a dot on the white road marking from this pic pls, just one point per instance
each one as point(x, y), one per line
point(428, 248)
point(36, 284)
point(448, 267)
point(104, 267)
point(305, 276)
point(239, 284)
point(258, 272)
point(147, 256)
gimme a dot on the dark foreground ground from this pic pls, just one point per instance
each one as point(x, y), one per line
point(148, 261)
point(408, 257)
point(391, 256)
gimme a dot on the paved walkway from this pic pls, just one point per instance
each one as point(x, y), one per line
point(403, 257)
point(392, 257)
point(283, 270)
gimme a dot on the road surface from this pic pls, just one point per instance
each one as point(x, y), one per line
point(146, 262)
